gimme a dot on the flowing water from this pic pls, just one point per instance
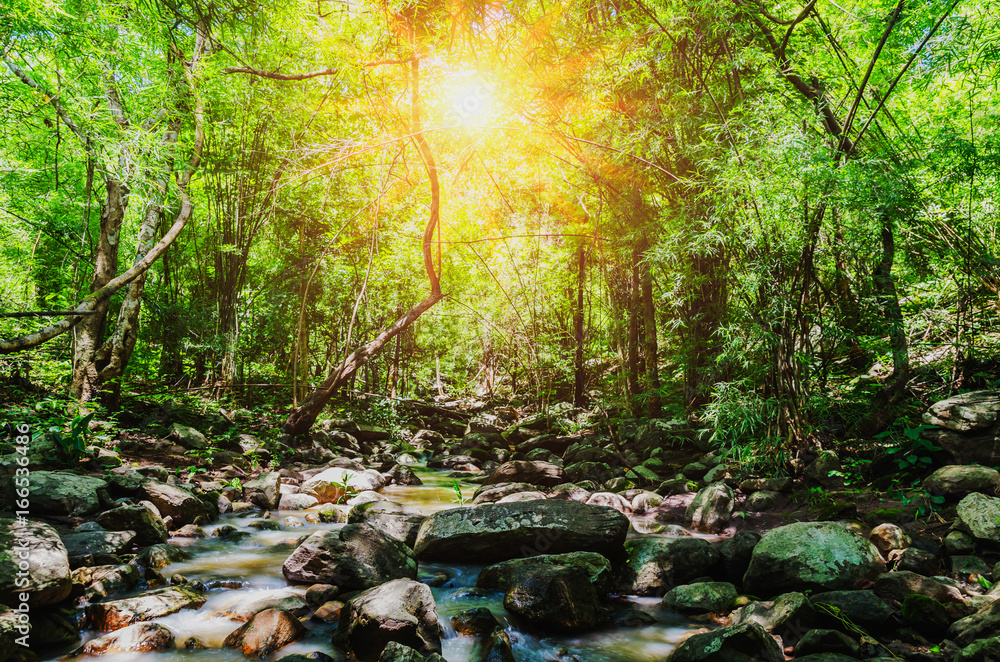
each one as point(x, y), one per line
point(254, 563)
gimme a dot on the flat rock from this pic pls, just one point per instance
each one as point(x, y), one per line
point(116, 614)
point(957, 480)
point(65, 494)
point(138, 638)
point(533, 472)
point(497, 532)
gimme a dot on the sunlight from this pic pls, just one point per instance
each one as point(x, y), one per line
point(470, 97)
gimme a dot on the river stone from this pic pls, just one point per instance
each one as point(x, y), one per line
point(747, 642)
point(474, 622)
point(264, 491)
point(554, 598)
point(502, 575)
point(497, 647)
point(116, 614)
point(610, 500)
point(535, 472)
point(397, 652)
point(967, 412)
point(401, 610)
point(159, 556)
point(957, 480)
point(899, 584)
point(826, 641)
point(149, 528)
point(297, 501)
point(244, 607)
point(355, 557)
point(497, 532)
point(393, 519)
point(328, 486)
point(711, 509)
point(863, 608)
point(266, 632)
point(700, 598)
point(176, 503)
point(816, 556)
point(64, 494)
point(983, 623)
point(97, 542)
point(493, 493)
point(138, 638)
point(979, 515)
point(653, 566)
point(787, 616)
point(48, 573)
point(188, 437)
point(736, 553)
point(982, 650)
point(102, 581)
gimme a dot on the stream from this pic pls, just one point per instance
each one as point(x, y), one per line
point(255, 563)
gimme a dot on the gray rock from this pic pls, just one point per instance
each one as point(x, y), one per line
point(958, 480)
point(243, 610)
point(264, 491)
point(747, 642)
point(116, 614)
point(401, 610)
point(711, 509)
point(736, 553)
point(967, 412)
point(761, 501)
point(148, 527)
point(493, 493)
point(982, 650)
point(332, 485)
point(818, 471)
point(159, 556)
point(393, 519)
point(497, 532)
point(897, 585)
point(187, 437)
point(826, 641)
point(181, 506)
point(554, 598)
point(979, 515)
point(97, 542)
point(64, 494)
point(297, 501)
point(48, 574)
point(863, 608)
point(817, 556)
point(787, 616)
point(653, 566)
point(354, 557)
point(700, 598)
point(980, 625)
point(541, 473)
point(504, 574)
point(141, 637)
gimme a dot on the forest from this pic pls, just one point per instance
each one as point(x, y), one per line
point(725, 267)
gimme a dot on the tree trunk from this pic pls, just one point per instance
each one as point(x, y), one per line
point(578, 373)
point(90, 332)
point(635, 302)
point(652, 356)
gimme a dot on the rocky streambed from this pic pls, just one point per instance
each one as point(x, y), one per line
point(542, 549)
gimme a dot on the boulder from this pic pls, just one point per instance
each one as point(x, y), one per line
point(736, 553)
point(148, 527)
point(747, 642)
point(497, 647)
point(497, 532)
point(47, 572)
point(266, 632)
point(297, 501)
point(393, 519)
point(397, 652)
point(711, 509)
point(116, 614)
point(188, 437)
point(889, 537)
point(244, 608)
point(554, 598)
point(264, 491)
point(982, 650)
point(401, 610)
point(653, 566)
point(826, 641)
point(64, 494)
point(174, 502)
point(610, 500)
point(355, 557)
point(956, 480)
point(896, 586)
point(474, 622)
point(979, 516)
point(816, 556)
point(534, 472)
point(159, 556)
point(400, 474)
point(863, 608)
point(967, 427)
point(824, 470)
point(787, 616)
point(700, 597)
point(79, 545)
point(979, 625)
point(333, 484)
point(504, 574)
point(493, 493)
point(138, 638)
point(102, 581)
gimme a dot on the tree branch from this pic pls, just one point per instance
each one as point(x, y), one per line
point(280, 76)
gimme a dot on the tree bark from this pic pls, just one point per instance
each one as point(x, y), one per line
point(635, 301)
point(653, 405)
point(579, 377)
